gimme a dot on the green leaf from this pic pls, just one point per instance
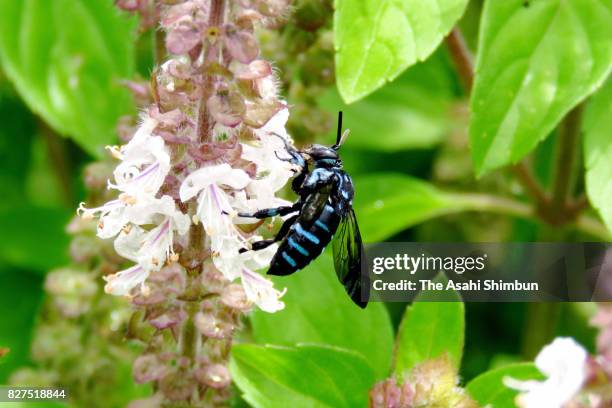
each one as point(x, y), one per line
point(387, 203)
point(20, 296)
point(66, 58)
point(377, 39)
point(536, 61)
point(429, 330)
point(413, 111)
point(303, 376)
point(319, 311)
point(33, 237)
point(488, 389)
point(598, 152)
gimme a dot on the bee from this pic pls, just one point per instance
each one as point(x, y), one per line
point(323, 212)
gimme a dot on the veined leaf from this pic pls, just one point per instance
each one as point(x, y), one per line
point(319, 311)
point(536, 61)
point(430, 330)
point(598, 152)
point(377, 39)
point(488, 389)
point(66, 58)
point(303, 376)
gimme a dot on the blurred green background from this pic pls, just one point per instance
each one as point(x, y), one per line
point(61, 96)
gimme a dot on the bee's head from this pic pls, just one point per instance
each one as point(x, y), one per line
point(323, 156)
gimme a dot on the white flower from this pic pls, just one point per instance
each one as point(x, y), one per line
point(145, 163)
point(260, 291)
point(149, 249)
point(122, 283)
point(152, 248)
point(233, 264)
point(563, 362)
point(272, 173)
point(116, 214)
point(214, 208)
point(230, 261)
point(113, 215)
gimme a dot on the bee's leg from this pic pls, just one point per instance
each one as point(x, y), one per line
point(282, 233)
point(271, 212)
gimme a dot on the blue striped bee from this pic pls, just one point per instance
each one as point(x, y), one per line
point(322, 212)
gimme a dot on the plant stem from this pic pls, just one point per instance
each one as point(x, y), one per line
point(507, 206)
point(593, 227)
point(462, 57)
point(493, 204)
point(56, 149)
point(215, 19)
point(524, 175)
point(569, 133)
point(159, 42)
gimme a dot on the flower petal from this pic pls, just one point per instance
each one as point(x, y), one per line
point(261, 292)
point(221, 174)
point(122, 283)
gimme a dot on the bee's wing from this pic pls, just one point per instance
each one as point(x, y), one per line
point(347, 249)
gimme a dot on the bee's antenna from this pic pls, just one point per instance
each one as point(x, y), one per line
point(339, 133)
point(340, 136)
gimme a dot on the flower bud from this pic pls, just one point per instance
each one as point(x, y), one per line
point(152, 402)
point(96, 174)
point(211, 326)
point(260, 112)
point(272, 8)
point(234, 296)
point(241, 45)
point(388, 394)
point(435, 382)
point(183, 36)
point(72, 290)
point(177, 386)
point(215, 376)
point(128, 5)
point(176, 12)
point(83, 248)
point(226, 108)
point(255, 70)
point(148, 368)
point(170, 319)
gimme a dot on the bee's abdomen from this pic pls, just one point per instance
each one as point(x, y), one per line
point(305, 241)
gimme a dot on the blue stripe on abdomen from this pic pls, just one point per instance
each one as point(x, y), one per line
point(289, 259)
point(306, 234)
point(321, 225)
point(298, 247)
